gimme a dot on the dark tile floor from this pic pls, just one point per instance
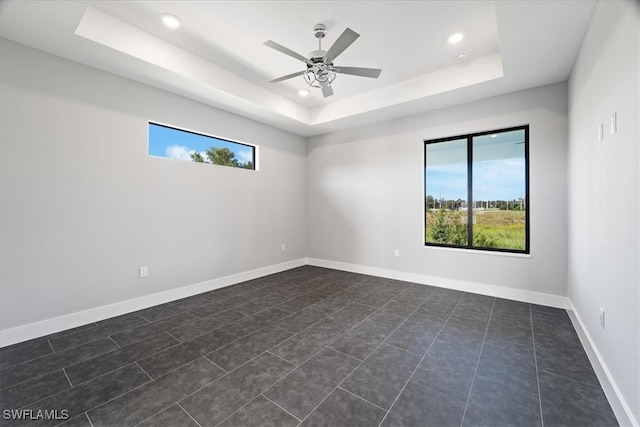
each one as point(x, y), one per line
point(311, 347)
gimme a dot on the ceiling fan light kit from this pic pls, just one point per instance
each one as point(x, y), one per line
point(321, 72)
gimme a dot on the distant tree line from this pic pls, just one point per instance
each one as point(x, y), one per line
point(454, 205)
point(220, 156)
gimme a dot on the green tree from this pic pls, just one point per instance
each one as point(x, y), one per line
point(197, 157)
point(222, 156)
point(430, 202)
point(448, 229)
point(441, 230)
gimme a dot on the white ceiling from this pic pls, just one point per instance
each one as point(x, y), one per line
point(217, 56)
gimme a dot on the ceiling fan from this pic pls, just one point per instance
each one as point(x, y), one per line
point(320, 70)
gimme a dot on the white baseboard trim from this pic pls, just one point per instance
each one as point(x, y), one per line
point(617, 401)
point(72, 320)
point(443, 282)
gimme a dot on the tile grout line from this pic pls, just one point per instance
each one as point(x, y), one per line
point(280, 357)
point(421, 360)
point(67, 376)
point(535, 359)
point(86, 414)
point(181, 341)
point(214, 363)
point(114, 341)
point(404, 349)
point(27, 380)
point(362, 398)
point(342, 352)
point(262, 394)
point(584, 383)
point(145, 372)
point(475, 373)
point(106, 373)
point(188, 414)
point(159, 412)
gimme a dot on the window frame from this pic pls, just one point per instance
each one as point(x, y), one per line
point(469, 137)
point(254, 148)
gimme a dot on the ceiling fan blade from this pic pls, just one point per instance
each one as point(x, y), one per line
point(347, 37)
point(327, 90)
point(288, 76)
point(359, 71)
point(286, 51)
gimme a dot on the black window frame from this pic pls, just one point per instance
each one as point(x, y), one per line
point(469, 137)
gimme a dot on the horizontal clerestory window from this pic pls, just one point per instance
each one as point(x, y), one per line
point(174, 143)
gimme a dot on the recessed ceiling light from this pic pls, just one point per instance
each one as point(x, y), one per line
point(455, 38)
point(494, 135)
point(170, 20)
point(303, 92)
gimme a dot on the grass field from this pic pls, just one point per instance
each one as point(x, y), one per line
point(492, 228)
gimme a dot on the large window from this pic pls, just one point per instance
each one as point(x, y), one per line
point(166, 141)
point(477, 191)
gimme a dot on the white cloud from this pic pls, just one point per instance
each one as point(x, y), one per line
point(245, 156)
point(179, 152)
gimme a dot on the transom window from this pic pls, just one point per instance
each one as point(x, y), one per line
point(166, 141)
point(477, 191)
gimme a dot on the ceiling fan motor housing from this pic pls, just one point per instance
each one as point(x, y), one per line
point(319, 31)
point(317, 56)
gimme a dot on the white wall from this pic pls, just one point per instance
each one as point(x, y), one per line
point(83, 205)
point(366, 196)
point(604, 186)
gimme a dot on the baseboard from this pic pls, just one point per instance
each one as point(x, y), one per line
point(616, 399)
point(61, 323)
point(443, 282)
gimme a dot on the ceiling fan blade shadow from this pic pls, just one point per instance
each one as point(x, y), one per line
point(347, 37)
point(286, 51)
point(374, 73)
point(287, 77)
point(327, 90)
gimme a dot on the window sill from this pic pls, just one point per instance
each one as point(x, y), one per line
point(478, 251)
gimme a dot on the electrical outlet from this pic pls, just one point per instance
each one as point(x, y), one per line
point(396, 252)
point(602, 317)
point(283, 247)
point(143, 271)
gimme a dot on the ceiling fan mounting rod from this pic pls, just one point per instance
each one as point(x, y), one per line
point(319, 31)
